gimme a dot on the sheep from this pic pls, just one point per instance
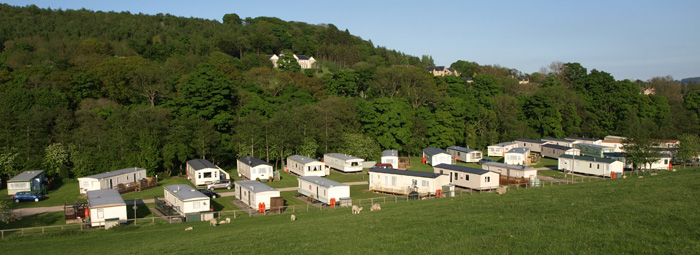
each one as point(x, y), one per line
point(228, 220)
point(293, 217)
point(356, 210)
point(222, 222)
point(212, 222)
point(640, 177)
point(375, 207)
point(188, 229)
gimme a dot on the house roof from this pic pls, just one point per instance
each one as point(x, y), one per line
point(594, 146)
point(519, 150)
point(390, 153)
point(615, 154)
point(322, 181)
point(530, 141)
point(434, 151)
point(462, 149)
point(26, 176)
point(405, 172)
point(462, 169)
point(302, 159)
point(518, 167)
point(573, 138)
point(254, 186)
point(184, 192)
point(555, 139)
point(104, 197)
point(503, 144)
point(342, 156)
point(588, 159)
point(115, 173)
point(302, 57)
point(199, 164)
point(558, 147)
point(253, 162)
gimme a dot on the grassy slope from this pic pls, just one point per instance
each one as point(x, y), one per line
point(656, 214)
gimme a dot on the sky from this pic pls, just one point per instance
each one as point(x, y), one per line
point(628, 39)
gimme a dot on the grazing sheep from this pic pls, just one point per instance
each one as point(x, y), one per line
point(222, 222)
point(356, 210)
point(375, 207)
point(212, 222)
point(188, 229)
point(228, 220)
point(293, 217)
point(641, 177)
point(653, 174)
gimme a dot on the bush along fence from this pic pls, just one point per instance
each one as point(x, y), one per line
point(367, 203)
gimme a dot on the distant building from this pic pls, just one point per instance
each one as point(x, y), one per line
point(442, 71)
point(304, 61)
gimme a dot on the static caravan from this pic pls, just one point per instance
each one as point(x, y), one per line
point(554, 151)
point(343, 162)
point(584, 140)
point(510, 170)
point(617, 145)
point(107, 208)
point(590, 165)
point(202, 172)
point(404, 181)
point(499, 150)
point(434, 156)
point(186, 200)
point(391, 157)
point(467, 177)
point(533, 145)
point(305, 166)
point(558, 141)
point(660, 143)
point(593, 150)
point(26, 181)
point(254, 192)
point(663, 162)
point(517, 156)
point(465, 154)
point(254, 168)
point(322, 189)
point(110, 180)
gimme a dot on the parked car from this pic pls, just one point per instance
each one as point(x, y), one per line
point(220, 184)
point(485, 160)
point(209, 193)
point(27, 196)
point(380, 166)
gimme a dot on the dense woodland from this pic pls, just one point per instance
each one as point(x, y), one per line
point(85, 92)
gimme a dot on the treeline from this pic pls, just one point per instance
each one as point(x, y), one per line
point(86, 92)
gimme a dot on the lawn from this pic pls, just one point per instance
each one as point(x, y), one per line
point(547, 162)
point(68, 192)
point(653, 215)
point(348, 177)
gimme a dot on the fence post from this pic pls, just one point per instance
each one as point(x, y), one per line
point(42, 230)
point(385, 200)
point(396, 199)
point(307, 207)
point(153, 221)
point(293, 207)
point(2, 233)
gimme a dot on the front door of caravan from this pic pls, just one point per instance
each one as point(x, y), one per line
point(109, 183)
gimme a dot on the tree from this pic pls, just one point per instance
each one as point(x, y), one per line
point(466, 68)
point(387, 120)
point(56, 160)
point(360, 146)
point(9, 165)
point(689, 147)
point(288, 62)
point(207, 94)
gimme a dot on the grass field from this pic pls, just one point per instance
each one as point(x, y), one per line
point(653, 215)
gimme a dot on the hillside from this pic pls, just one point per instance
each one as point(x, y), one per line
point(690, 80)
point(651, 215)
point(85, 92)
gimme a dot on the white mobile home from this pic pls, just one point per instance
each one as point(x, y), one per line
point(202, 172)
point(584, 140)
point(465, 154)
point(558, 141)
point(510, 170)
point(404, 181)
point(253, 193)
point(590, 165)
point(26, 181)
point(254, 168)
point(434, 156)
point(343, 162)
point(305, 166)
point(662, 163)
point(554, 151)
point(107, 208)
point(467, 177)
point(391, 157)
point(533, 145)
point(499, 150)
point(517, 156)
point(186, 200)
point(322, 189)
point(110, 180)
point(593, 150)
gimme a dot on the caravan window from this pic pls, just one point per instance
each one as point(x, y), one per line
point(207, 175)
point(196, 205)
point(393, 180)
point(100, 213)
point(425, 183)
point(488, 178)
